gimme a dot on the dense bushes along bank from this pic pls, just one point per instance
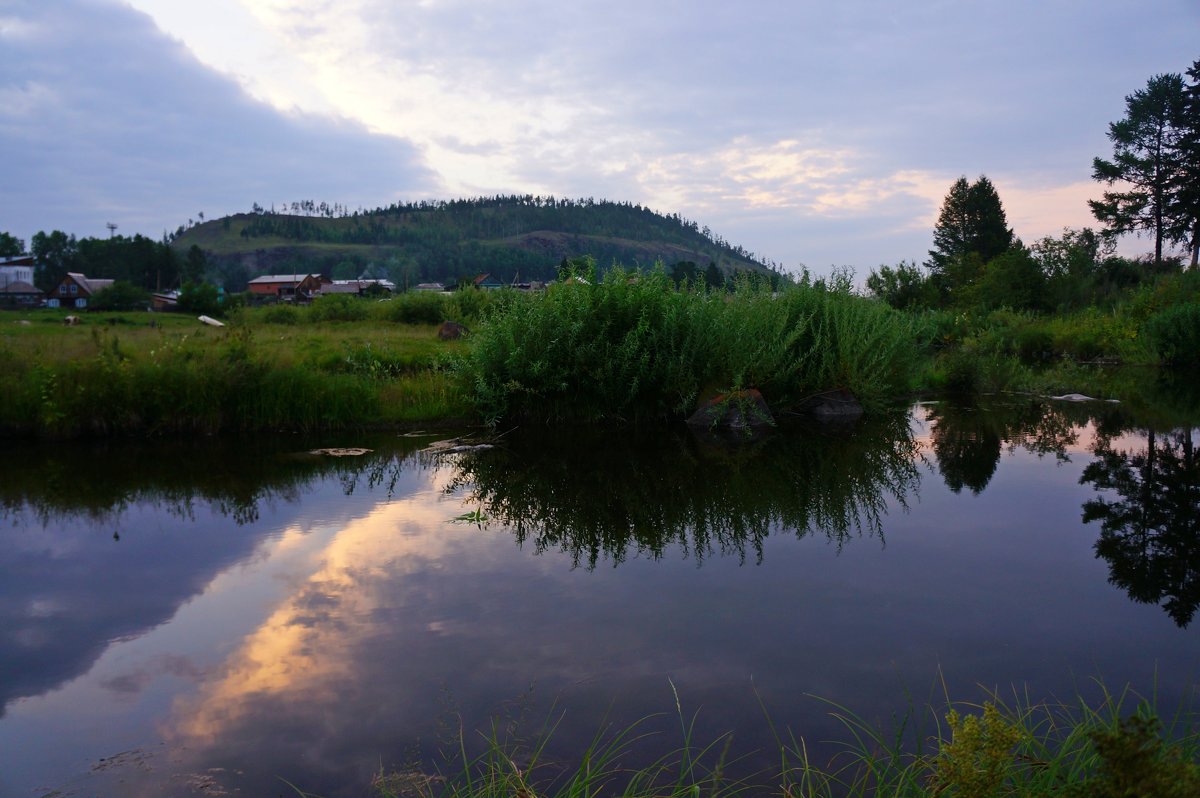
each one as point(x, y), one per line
point(633, 348)
point(630, 348)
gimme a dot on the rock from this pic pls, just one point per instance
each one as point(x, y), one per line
point(451, 331)
point(836, 405)
point(1078, 397)
point(744, 412)
point(347, 451)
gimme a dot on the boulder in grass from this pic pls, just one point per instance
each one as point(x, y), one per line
point(451, 331)
point(836, 405)
point(741, 412)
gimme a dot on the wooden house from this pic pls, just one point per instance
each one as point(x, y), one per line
point(485, 282)
point(74, 291)
point(288, 287)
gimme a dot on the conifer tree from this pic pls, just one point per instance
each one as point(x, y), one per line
point(1147, 148)
point(971, 230)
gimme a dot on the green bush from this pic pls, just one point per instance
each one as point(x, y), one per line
point(1175, 334)
point(634, 347)
point(338, 307)
point(120, 296)
point(281, 314)
point(414, 307)
point(200, 298)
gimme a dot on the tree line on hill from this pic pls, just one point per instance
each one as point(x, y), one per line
point(485, 218)
point(505, 235)
point(1153, 181)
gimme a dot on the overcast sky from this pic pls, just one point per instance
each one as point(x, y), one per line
point(817, 133)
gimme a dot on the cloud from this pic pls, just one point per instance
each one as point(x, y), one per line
point(367, 101)
point(104, 118)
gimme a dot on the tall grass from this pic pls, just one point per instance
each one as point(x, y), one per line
point(1000, 747)
point(633, 348)
point(106, 380)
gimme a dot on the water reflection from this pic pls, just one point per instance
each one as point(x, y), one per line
point(337, 606)
point(1147, 480)
point(599, 496)
point(102, 542)
point(1150, 531)
point(968, 439)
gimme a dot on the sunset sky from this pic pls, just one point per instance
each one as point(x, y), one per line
point(816, 133)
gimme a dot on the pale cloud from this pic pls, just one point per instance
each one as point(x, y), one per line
point(804, 131)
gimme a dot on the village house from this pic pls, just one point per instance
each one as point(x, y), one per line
point(367, 286)
point(16, 270)
point(19, 295)
point(288, 287)
point(74, 291)
point(485, 282)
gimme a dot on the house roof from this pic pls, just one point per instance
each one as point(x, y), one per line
point(90, 285)
point(19, 287)
point(17, 260)
point(283, 278)
point(485, 279)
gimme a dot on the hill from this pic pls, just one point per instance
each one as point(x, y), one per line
point(507, 236)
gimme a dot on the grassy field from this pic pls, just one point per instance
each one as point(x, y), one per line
point(140, 372)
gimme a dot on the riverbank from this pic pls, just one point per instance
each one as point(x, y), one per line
point(154, 373)
point(1117, 745)
point(632, 348)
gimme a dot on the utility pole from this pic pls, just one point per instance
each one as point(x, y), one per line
point(112, 228)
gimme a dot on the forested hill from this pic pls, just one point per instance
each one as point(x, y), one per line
point(507, 236)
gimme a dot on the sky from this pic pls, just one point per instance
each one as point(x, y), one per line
point(811, 133)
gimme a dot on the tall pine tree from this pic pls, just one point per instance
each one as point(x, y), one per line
point(1146, 162)
point(1185, 193)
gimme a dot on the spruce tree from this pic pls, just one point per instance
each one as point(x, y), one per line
point(971, 230)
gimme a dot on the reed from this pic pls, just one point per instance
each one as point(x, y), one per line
point(633, 348)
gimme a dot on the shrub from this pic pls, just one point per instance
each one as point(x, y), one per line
point(1175, 334)
point(415, 307)
point(338, 307)
point(280, 314)
point(199, 298)
point(634, 347)
point(119, 296)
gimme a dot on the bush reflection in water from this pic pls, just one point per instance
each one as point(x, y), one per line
point(598, 495)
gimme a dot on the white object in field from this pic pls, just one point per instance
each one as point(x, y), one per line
point(211, 322)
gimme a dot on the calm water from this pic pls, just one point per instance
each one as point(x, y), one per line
point(191, 620)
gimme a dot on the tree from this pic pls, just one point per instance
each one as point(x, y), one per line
point(201, 298)
point(713, 276)
point(1185, 207)
point(905, 287)
point(971, 230)
point(1146, 162)
point(54, 255)
point(10, 245)
point(1150, 529)
point(195, 263)
point(121, 295)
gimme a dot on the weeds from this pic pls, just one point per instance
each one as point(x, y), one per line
point(995, 749)
point(634, 348)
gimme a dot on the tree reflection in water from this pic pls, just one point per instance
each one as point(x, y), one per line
point(1150, 535)
point(598, 495)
